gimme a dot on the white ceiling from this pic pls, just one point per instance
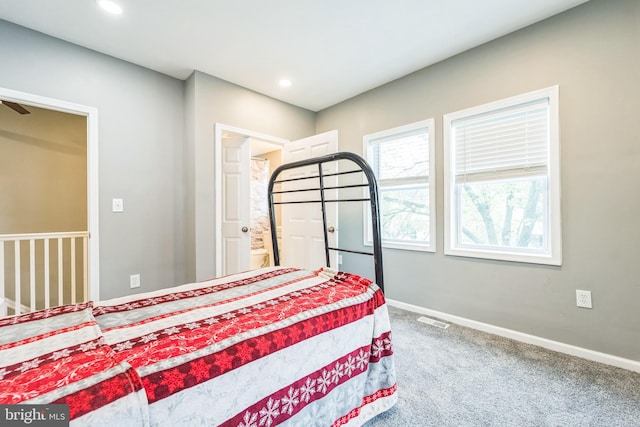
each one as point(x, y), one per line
point(330, 49)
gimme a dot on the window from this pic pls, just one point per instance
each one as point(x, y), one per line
point(402, 160)
point(502, 180)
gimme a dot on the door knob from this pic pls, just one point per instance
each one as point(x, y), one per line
point(331, 229)
point(244, 229)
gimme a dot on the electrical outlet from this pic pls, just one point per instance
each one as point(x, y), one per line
point(134, 281)
point(583, 298)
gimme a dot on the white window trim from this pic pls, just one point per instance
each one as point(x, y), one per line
point(421, 247)
point(555, 228)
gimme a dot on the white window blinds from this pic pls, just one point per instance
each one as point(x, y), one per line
point(504, 143)
point(401, 156)
point(403, 161)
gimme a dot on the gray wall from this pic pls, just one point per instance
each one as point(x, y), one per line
point(140, 115)
point(156, 138)
point(209, 101)
point(592, 53)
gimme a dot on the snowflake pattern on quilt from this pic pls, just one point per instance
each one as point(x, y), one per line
point(195, 346)
point(289, 401)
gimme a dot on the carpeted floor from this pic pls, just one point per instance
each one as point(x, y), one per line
point(462, 377)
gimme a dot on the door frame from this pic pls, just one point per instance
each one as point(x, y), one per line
point(219, 130)
point(93, 205)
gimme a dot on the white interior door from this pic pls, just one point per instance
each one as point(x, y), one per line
point(302, 226)
point(236, 236)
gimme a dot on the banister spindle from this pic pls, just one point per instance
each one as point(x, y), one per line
point(47, 291)
point(72, 242)
point(85, 268)
point(18, 302)
point(60, 275)
point(32, 275)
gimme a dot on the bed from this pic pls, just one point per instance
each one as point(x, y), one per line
point(274, 346)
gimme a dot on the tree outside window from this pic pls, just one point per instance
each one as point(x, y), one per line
point(402, 159)
point(502, 189)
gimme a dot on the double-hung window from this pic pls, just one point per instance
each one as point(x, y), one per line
point(502, 180)
point(403, 162)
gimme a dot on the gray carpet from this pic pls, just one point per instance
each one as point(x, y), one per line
point(462, 377)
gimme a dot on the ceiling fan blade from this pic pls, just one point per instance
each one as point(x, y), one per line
point(16, 107)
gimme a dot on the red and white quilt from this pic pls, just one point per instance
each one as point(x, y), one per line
point(58, 356)
point(276, 346)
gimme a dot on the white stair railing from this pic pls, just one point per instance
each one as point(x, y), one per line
point(48, 254)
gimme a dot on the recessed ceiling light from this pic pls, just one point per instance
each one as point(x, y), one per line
point(284, 83)
point(110, 6)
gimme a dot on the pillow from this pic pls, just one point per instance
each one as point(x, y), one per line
point(58, 356)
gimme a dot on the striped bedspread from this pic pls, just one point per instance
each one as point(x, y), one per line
point(276, 346)
point(58, 356)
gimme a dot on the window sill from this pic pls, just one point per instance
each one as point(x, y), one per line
point(405, 246)
point(506, 256)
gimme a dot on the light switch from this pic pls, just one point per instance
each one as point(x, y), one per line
point(117, 205)
point(134, 281)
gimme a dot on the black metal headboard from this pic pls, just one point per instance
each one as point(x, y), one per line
point(371, 184)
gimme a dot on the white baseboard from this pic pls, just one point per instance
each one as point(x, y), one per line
point(620, 362)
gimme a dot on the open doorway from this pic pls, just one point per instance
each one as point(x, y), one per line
point(301, 234)
point(265, 158)
point(49, 209)
point(245, 162)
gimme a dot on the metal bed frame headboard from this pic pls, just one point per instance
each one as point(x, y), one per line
point(371, 184)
